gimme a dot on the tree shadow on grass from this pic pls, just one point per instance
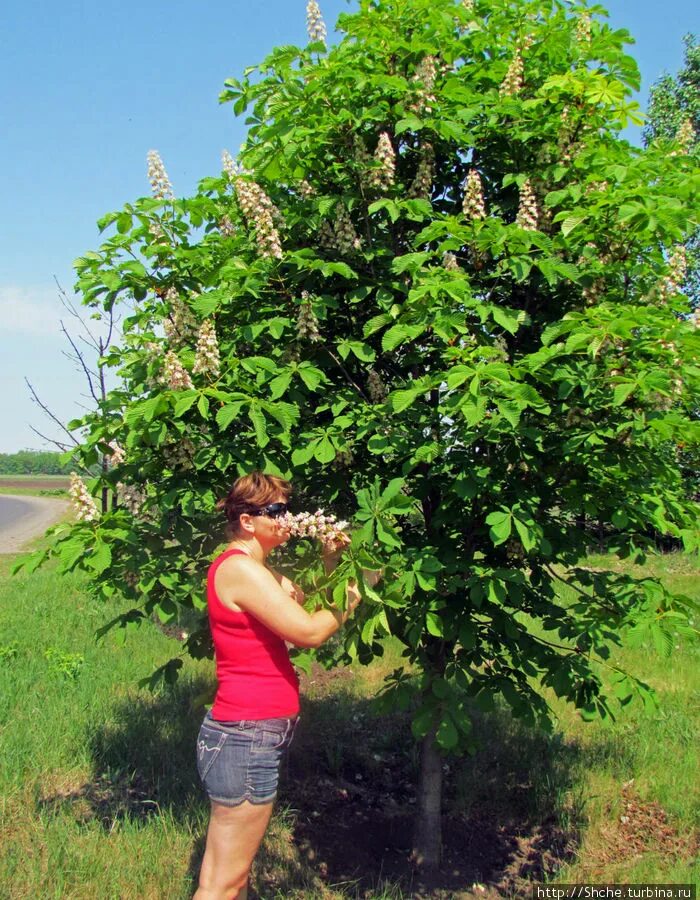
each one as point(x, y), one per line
point(347, 796)
point(143, 760)
point(512, 812)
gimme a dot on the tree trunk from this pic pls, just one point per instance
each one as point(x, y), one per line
point(427, 835)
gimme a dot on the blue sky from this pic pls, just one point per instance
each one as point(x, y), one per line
point(86, 89)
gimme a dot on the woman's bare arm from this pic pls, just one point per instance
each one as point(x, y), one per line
point(294, 591)
point(253, 588)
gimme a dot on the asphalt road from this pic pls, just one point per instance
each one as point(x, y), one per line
point(24, 518)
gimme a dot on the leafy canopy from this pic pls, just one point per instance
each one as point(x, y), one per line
point(444, 303)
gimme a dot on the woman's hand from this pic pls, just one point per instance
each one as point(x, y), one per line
point(333, 550)
point(354, 596)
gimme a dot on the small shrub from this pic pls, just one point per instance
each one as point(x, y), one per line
point(8, 652)
point(66, 664)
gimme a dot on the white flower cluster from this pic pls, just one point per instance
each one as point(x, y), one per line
point(425, 76)
point(131, 498)
point(179, 454)
point(513, 82)
point(131, 579)
point(384, 171)
point(473, 204)
point(85, 507)
point(230, 166)
point(685, 136)
point(117, 456)
point(307, 322)
point(306, 190)
point(363, 161)
point(180, 325)
point(155, 229)
point(345, 234)
point(207, 360)
point(422, 186)
point(343, 459)
point(226, 227)
point(678, 265)
point(677, 269)
point(449, 261)
point(468, 6)
point(158, 177)
point(528, 212)
point(376, 388)
point(315, 525)
point(695, 319)
point(596, 187)
point(341, 236)
point(594, 291)
point(314, 22)
point(583, 28)
point(174, 375)
point(259, 212)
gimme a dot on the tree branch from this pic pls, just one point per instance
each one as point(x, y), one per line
point(81, 360)
point(48, 412)
point(345, 372)
point(62, 447)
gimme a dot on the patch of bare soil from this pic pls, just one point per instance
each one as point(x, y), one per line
point(638, 826)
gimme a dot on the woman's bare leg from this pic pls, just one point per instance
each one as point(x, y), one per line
point(233, 839)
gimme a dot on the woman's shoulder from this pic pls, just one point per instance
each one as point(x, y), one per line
point(235, 560)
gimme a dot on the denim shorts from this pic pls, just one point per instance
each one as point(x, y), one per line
point(240, 761)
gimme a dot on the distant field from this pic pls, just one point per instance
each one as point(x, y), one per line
point(50, 481)
point(34, 484)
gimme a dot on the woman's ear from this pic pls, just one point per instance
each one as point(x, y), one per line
point(246, 523)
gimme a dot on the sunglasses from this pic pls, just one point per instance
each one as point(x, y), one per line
point(274, 510)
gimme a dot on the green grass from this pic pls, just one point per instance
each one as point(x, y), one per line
point(99, 795)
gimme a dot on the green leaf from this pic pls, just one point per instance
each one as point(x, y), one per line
point(387, 535)
point(377, 322)
point(501, 524)
point(571, 222)
point(509, 319)
point(311, 376)
point(433, 623)
point(622, 392)
point(510, 411)
point(325, 452)
point(411, 261)
point(227, 414)
point(100, 558)
point(184, 402)
point(399, 334)
point(389, 205)
point(527, 537)
point(401, 400)
point(423, 721)
point(278, 386)
point(447, 736)
point(259, 424)
point(303, 454)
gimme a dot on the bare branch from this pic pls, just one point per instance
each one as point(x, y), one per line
point(79, 356)
point(62, 447)
point(48, 412)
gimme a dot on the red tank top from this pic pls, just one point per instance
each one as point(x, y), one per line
point(256, 678)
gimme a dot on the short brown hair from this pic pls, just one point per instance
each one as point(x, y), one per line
point(252, 492)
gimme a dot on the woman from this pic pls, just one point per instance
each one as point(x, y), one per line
point(252, 612)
